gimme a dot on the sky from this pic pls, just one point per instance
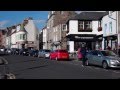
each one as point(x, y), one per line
point(9, 18)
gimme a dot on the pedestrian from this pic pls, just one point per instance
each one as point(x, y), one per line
point(79, 54)
point(83, 51)
point(108, 48)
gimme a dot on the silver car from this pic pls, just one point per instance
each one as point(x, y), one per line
point(103, 58)
point(44, 53)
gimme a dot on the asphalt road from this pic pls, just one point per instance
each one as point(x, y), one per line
point(26, 67)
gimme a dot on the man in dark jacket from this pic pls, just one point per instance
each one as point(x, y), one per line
point(83, 51)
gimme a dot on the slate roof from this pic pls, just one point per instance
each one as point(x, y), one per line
point(89, 16)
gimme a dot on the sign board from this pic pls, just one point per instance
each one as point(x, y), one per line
point(77, 37)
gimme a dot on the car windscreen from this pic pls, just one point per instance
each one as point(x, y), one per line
point(108, 53)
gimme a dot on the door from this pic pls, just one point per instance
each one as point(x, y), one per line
point(97, 58)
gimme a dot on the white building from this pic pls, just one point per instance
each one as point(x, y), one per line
point(109, 24)
point(24, 35)
point(85, 29)
point(45, 35)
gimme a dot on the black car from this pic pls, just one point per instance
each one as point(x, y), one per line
point(24, 52)
point(33, 53)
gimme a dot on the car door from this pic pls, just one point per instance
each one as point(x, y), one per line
point(98, 58)
point(94, 57)
point(90, 57)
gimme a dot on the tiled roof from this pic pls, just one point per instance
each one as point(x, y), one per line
point(89, 16)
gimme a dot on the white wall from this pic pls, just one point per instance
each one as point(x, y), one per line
point(30, 28)
point(71, 46)
point(107, 20)
point(32, 32)
point(73, 28)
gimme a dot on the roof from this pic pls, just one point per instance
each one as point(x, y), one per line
point(89, 16)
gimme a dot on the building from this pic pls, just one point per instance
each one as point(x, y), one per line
point(41, 43)
point(56, 29)
point(24, 35)
point(44, 37)
point(2, 38)
point(85, 30)
point(110, 34)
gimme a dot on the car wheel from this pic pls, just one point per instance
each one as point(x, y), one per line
point(105, 65)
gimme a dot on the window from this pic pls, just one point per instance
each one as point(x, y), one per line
point(95, 53)
point(110, 27)
point(24, 37)
point(105, 28)
point(84, 26)
point(64, 27)
point(87, 25)
point(80, 25)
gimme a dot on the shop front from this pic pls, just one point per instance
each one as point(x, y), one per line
point(111, 41)
point(75, 41)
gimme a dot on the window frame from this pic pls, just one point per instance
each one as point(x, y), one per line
point(81, 26)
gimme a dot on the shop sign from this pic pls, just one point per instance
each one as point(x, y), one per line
point(77, 37)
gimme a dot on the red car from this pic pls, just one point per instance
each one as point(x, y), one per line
point(59, 55)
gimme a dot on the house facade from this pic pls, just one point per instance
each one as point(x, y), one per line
point(110, 34)
point(85, 30)
point(24, 35)
point(56, 28)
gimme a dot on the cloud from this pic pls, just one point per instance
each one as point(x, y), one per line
point(39, 21)
point(3, 23)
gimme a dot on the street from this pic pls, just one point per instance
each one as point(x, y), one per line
point(27, 67)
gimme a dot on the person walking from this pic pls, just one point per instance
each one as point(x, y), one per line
point(79, 54)
point(83, 51)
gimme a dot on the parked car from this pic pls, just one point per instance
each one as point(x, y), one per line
point(59, 55)
point(103, 58)
point(2, 51)
point(8, 51)
point(24, 52)
point(33, 53)
point(45, 53)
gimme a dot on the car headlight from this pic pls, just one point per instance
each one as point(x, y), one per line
point(114, 61)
